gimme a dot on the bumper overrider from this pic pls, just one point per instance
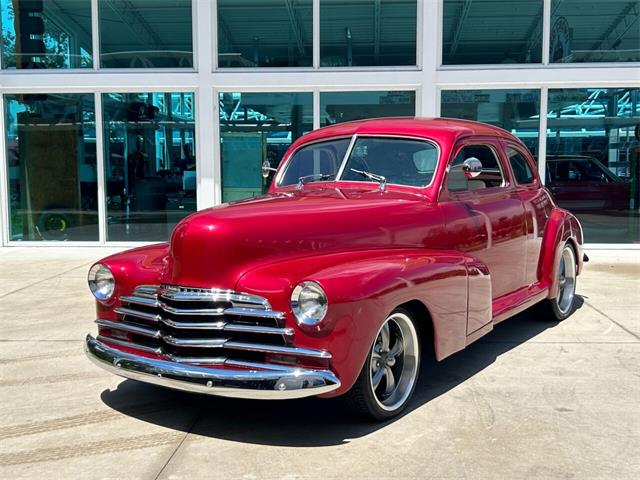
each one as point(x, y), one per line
point(275, 384)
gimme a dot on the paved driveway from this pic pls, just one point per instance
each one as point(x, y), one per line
point(533, 399)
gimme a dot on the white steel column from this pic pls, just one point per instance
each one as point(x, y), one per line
point(95, 35)
point(207, 169)
point(429, 39)
point(546, 31)
point(4, 179)
point(542, 141)
point(102, 195)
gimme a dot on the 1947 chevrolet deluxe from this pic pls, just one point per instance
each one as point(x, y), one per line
point(377, 239)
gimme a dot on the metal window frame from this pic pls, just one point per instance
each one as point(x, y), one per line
point(428, 79)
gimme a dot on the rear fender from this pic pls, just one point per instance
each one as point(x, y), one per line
point(562, 227)
point(363, 288)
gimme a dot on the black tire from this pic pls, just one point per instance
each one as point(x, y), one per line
point(564, 304)
point(362, 400)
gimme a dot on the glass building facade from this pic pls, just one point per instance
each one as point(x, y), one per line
point(119, 118)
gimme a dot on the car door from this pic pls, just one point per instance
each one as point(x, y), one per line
point(536, 204)
point(485, 217)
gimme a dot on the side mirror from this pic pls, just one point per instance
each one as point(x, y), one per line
point(267, 169)
point(472, 167)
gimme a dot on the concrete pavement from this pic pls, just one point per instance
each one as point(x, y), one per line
point(533, 399)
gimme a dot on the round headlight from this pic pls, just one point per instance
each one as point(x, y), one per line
point(309, 303)
point(101, 281)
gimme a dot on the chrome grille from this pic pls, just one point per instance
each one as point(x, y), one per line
point(186, 325)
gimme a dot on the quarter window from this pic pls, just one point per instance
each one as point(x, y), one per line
point(490, 177)
point(520, 167)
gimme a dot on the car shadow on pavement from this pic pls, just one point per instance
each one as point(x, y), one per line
point(311, 422)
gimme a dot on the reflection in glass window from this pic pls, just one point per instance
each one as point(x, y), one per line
point(255, 127)
point(338, 107)
point(520, 166)
point(514, 110)
point(397, 161)
point(51, 165)
point(46, 34)
point(316, 162)
point(593, 157)
point(150, 163)
point(146, 34)
point(265, 33)
point(594, 31)
point(367, 32)
point(492, 32)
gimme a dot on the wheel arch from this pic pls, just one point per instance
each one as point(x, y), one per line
point(424, 323)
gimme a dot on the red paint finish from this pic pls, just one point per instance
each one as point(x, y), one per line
point(470, 258)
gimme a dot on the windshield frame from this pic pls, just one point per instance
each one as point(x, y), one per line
point(341, 169)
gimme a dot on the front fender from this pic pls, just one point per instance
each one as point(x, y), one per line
point(561, 227)
point(363, 288)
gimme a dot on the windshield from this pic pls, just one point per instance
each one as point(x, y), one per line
point(399, 161)
point(318, 161)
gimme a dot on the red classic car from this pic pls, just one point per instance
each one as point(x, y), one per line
point(377, 240)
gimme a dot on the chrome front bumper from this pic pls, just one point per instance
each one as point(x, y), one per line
point(280, 384)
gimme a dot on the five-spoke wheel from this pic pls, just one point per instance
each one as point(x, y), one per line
point(564, 302)
point(390, 373)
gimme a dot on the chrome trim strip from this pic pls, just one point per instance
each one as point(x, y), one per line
point(194, 325)
point(188, 294)
point(252, 312)
point(303, 352)
point(124, 343)
point(194, 311)
point(214, 312)
point(195, 342)
point(144, 301)
point(268, 384)
point(237, 327)
point(151, 317)
point(125, 327)
point(219, 325)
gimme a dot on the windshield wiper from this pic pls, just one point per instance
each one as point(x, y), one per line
point(372, 176)
point(314, 178)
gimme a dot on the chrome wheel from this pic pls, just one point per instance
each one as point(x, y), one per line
point(566, 280)
point(394, 362)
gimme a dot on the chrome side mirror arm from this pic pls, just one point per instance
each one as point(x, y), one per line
point(267, 169)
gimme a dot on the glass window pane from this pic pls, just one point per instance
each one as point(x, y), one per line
point(393, 160)
point(594, 31)
point(255, 127)
point(51, 165)
point(593, 158)
point(520, 166)
point(146, 34)
point(514, 110)
point(265, 33)
point(46, 34)
point(338, 107)
point(150, 164)
point(492, 32)
point(367, 32)
point(319, 162)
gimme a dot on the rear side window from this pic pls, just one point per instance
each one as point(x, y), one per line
point(520, 167)
point(490, 177)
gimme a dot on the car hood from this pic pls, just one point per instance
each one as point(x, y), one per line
point(215, 247)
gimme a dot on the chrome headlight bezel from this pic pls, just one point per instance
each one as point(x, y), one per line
point(101, 282)
point(309, 303)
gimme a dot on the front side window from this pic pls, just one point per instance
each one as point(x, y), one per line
point(490, 177)
point(520, 167)
point(316, 162)
point(399, 161)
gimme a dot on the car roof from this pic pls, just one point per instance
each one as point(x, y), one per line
point(558, 158)
point(439, 129)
